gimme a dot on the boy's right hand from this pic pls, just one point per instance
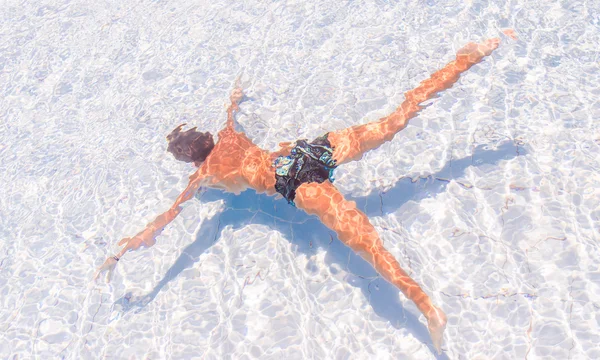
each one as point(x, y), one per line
point(109, 265)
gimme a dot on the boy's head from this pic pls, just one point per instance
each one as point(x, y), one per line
point(190, 145)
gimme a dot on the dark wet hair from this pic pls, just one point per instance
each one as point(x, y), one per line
point(190, 145)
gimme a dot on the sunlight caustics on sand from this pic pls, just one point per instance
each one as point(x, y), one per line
point(489, 199)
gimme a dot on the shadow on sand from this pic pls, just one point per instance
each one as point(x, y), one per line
point(250, 207)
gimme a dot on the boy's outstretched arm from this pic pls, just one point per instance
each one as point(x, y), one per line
point(147, 237)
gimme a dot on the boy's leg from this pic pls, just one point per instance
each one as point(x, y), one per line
point(355, 231)
point(351, 143)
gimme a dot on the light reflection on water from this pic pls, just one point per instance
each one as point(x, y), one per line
point(489, 198)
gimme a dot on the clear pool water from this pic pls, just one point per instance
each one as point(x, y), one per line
point(490, 198)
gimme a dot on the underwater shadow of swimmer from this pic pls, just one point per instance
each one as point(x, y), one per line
point(378, 203)
point(307, 242)
point(249, 207)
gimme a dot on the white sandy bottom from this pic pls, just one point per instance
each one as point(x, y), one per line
point(489, 199)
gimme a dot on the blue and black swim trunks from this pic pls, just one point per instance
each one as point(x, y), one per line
point(307, 162)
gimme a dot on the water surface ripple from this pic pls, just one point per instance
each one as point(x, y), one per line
point(489, 198)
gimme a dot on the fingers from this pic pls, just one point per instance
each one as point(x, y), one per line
point(236, 95)
point(97, 274)
point(238, 81)
point(109, 266)
point(109, 275)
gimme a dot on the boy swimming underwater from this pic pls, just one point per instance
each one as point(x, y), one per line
point(302, 174)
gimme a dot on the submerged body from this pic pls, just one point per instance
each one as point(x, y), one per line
point(236, 164)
